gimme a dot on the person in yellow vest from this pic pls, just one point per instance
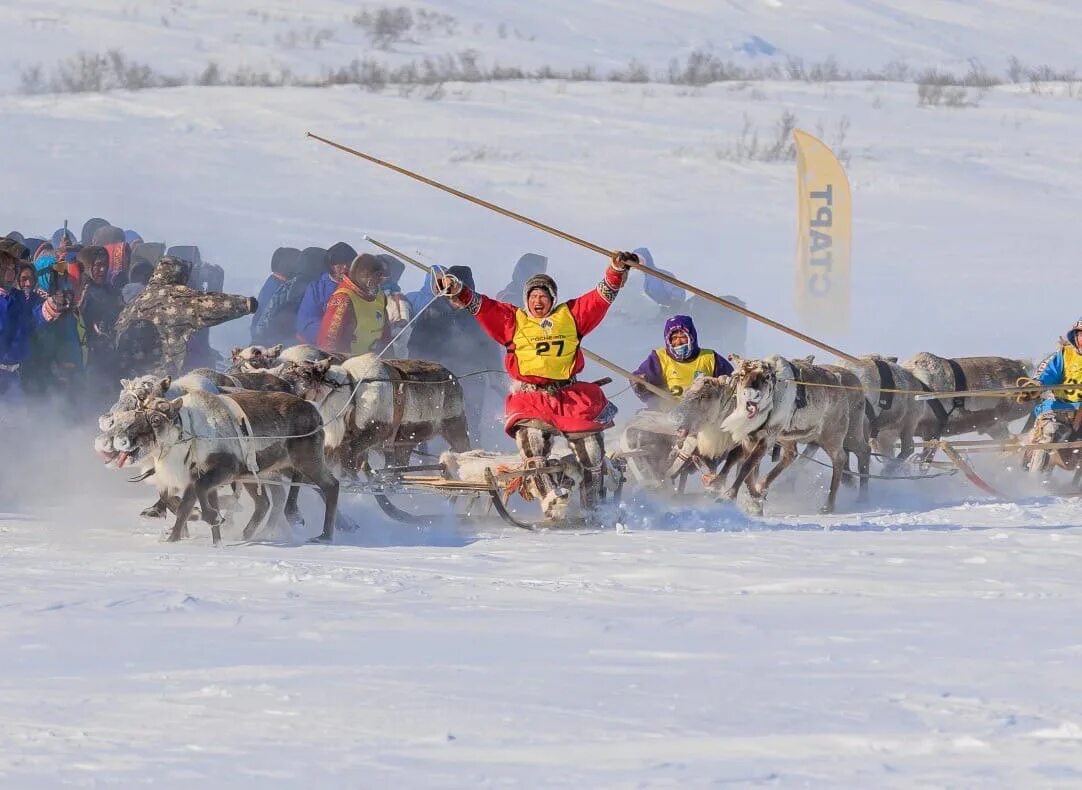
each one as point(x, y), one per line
point(678, 362)
point(543, 357)
point(356, 318)
point(650, 437)
point(1058, 415)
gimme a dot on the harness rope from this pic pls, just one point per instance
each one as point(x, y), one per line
point(323, 424)
point(871, 476)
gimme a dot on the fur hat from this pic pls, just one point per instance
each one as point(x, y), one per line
point(365, 264)
point(542, 281)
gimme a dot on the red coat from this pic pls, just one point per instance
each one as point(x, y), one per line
point(579, 407)
point(339, 323)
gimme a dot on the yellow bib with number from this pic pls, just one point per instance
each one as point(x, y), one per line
point(679, 375)
point(371, 318)
point(1072, 374)
point(546, 347)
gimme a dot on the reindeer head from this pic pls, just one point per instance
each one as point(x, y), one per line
point(313, 380)
point(754, 381)
point(708, 401)
point(253, 358)
point(133, 435)
point(134, 393)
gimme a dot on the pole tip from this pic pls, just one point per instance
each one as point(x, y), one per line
point(366, 237)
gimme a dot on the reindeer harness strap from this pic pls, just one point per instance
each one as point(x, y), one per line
point(398, 397)
point(937, 409)
point(801, 390)
point(886, 396)
point(886, 385)
point(959, 401)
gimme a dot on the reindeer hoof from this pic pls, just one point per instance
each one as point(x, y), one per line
point(295, 518)
point(826, 510)
point(755, 507)
point(345, 523)
point(154, 511)
point(324, 539)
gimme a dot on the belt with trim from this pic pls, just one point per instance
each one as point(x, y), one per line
point(555, 386)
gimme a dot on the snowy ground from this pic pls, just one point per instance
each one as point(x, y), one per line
point(897, 649)
point(930, 639)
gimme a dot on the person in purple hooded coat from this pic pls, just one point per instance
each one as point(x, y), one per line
point(677, 363)
point(672, 366)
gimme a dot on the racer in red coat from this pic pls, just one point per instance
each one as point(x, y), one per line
point(543, 358)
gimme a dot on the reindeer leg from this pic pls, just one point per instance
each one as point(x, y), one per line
point(734, 458)
point(292, 512)
point(262, 505)
point(157, 510)
point(184, 509)
point(457, 434)
point(208, 505)
point(839, 457)
point(788, 455)
point(328, 490)
point(751, 462)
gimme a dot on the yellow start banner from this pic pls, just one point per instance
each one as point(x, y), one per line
point(824, 237)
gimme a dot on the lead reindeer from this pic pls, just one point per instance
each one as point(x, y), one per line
point(201, 441)
point(786, 402)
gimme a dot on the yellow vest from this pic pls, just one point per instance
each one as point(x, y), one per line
point(1072, 374)
point(546, 347)
point(679, 375)
point(371, 318)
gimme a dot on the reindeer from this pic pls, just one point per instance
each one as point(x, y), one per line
point(892, 416)
point(698, 419)
point(391, 405)
point(778, 402)
point(136, 393)
point(273, 358)
point(256, 380)
point(967, 413)
point(200, 441)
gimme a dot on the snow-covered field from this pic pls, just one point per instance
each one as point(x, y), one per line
point(931, 640)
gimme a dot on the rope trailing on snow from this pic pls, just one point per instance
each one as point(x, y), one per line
point(871, 476)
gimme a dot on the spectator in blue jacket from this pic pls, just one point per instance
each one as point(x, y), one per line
point(283, 267)
point(13, 329)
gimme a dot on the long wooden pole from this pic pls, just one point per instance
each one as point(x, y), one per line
point(600, 360)
point(999, 392)
point(592, 247)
